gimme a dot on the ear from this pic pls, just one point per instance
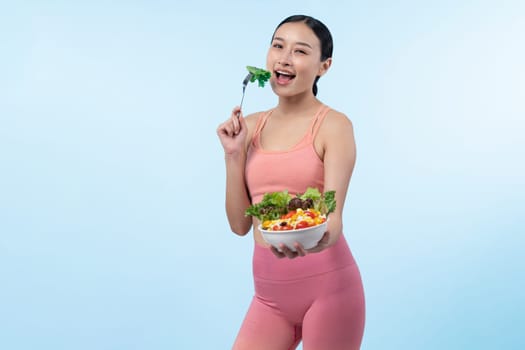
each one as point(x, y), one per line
point(325, 65)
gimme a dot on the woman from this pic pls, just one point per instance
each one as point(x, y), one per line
point(310, 295)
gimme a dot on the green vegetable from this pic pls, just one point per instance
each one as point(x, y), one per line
point(272, 206)
point(325, 203)
point(275, 204)
point(261, 75)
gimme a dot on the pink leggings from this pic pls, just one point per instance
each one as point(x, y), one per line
point(324, 311)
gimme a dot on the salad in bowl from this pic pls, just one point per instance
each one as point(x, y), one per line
point(286, 219)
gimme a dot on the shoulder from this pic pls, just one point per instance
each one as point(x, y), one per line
point(336, 137)
point(251, 122)
point(336, 122)
point(251, 119)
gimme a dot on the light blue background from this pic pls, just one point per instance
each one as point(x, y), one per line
point(112, 228)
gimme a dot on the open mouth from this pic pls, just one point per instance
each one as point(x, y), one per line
point(283, 77)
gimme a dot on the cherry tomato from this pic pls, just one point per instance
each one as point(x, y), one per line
point(310, 214)
point(282, 227)
point(302, 224)
point(289, 214)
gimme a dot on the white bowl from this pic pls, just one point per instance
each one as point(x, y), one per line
point(308, 236)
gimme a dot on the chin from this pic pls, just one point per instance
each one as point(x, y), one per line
point(283, 91)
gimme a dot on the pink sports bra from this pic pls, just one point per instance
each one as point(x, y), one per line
point(294, 169)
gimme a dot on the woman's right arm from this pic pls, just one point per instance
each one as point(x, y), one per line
point(233, 135)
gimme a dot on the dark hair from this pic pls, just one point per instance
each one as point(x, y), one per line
point(322, 33)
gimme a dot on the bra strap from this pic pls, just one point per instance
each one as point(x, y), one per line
point(261, 120)
point(318, 120)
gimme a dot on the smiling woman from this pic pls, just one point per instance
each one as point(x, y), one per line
point(313, 292)
point(303, 43)
point(110, 237)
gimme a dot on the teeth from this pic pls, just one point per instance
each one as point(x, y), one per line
point(286, 74)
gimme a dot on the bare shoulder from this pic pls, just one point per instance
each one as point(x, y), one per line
point(335, 133)
point(251, 123)
point(336, 123)
point(251, 119)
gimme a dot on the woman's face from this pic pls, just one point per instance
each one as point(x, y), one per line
point(294, 58)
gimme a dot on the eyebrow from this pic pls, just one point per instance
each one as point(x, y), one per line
point(297, 43)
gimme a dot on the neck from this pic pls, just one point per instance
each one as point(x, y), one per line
point(297, 104)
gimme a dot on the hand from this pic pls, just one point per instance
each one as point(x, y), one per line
point(232, 133)
point(299, 249)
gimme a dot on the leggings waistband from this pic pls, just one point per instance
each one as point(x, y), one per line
point(268, 267)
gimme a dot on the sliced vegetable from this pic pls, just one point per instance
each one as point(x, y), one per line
point(295, 220)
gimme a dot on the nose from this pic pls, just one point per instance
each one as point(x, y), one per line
point(284, 59)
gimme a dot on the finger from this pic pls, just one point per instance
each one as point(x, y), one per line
point(288, 252)
point(277, 253)
point(221, 130)
point(235, 125)
point(321, 245)
point(236, 115)
point(236, 111)
point(300, 249)
point(325, 238)
point(225, 129)
point(242, 122)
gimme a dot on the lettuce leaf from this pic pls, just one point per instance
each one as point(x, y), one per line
point(259, 74)
point(324, 202)
point(271, 207)
point(328, 201)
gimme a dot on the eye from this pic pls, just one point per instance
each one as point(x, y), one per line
point(299, 51)
point(277, 46)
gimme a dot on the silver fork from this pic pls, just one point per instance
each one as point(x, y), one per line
point(244, 84)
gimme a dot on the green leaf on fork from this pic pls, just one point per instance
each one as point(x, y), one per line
point(259, 74)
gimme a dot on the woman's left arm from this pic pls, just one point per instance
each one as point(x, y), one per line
point(336, 137)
